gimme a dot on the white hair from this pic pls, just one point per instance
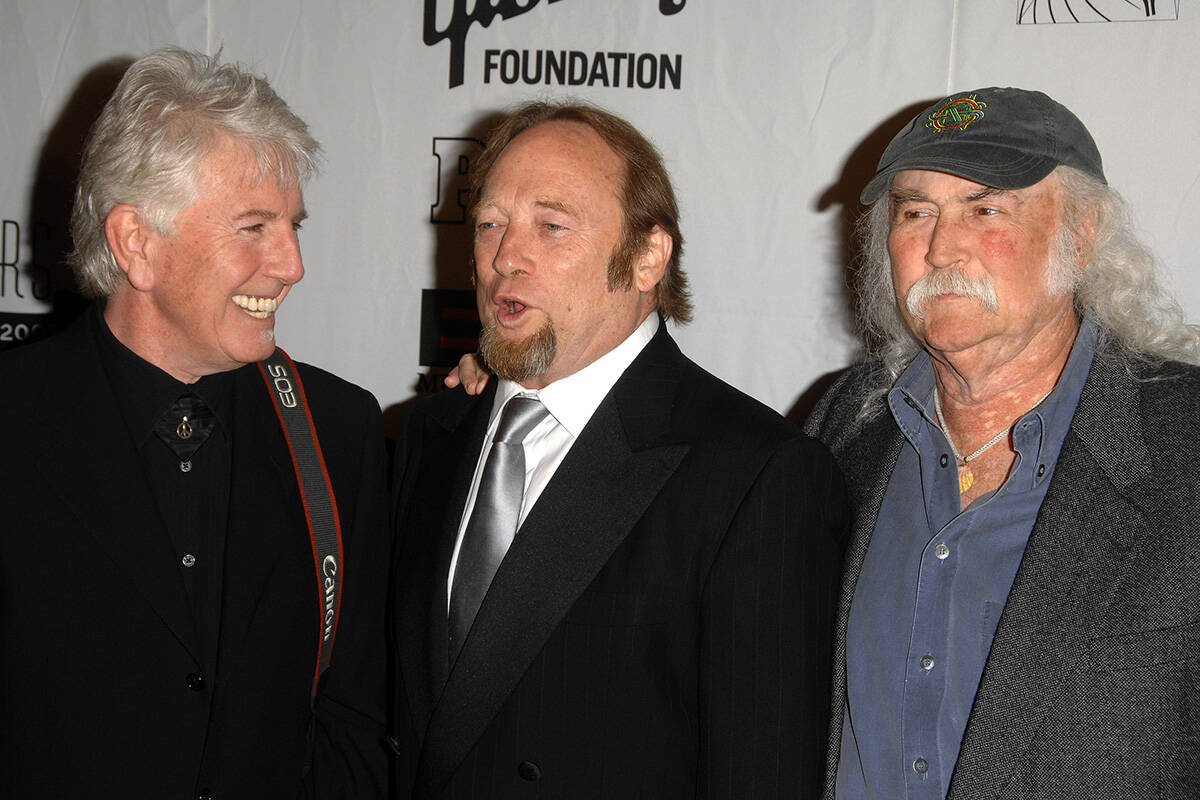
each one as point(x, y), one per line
point(169, 112)
point(1138, 320)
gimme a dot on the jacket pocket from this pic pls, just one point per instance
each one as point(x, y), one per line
point(1139, 649)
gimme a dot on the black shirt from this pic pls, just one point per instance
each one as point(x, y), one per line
point(193, 495)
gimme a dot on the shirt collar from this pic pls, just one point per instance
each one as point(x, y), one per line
point(572, 400)
point(144, 392)
point(911, 401)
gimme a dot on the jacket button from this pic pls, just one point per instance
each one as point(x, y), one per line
point(529, 771)
point(195, 681)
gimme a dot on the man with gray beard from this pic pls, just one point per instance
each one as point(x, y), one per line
point(1018, 615)
point(615, 573)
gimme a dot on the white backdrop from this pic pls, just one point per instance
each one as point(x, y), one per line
point(771, 115)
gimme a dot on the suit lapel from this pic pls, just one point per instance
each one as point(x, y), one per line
point(266, 523)
point(113, 502)
point(451, 443)
point(1071, 567)
point(870, 457)
point(577, 523)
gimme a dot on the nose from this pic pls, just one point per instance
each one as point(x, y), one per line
point(946, 243)
point(511, 256)
point(286, 263)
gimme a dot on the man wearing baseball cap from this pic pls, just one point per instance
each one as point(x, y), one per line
point(1018, 615)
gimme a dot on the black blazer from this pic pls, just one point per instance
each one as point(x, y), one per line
point(1092, 684)
point(98, 638)
point(660, 627)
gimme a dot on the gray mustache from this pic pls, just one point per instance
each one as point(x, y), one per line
point(951, 281)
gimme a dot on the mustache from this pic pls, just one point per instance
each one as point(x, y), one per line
point(950, 281)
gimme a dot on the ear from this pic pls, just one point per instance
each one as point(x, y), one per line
point(651, 265)
point(1085, 240)
point(128, 238)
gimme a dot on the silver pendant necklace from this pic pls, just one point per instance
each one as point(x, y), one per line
point(966, 477)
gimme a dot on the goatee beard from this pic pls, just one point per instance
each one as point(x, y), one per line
point(521, 360)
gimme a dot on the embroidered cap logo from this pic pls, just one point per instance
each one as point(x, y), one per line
point(956, 114)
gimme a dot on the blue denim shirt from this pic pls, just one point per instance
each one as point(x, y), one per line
point(933, 584)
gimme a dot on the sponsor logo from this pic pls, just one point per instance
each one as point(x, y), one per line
point(576, 68)
point(449, 326)
point(484, 12)
point(37, 296)
point(329, 569)
point(1057, 12)
point(283, 387)
point(453, 167)
point(36, 283)
point(956, 114)
point(16, 328)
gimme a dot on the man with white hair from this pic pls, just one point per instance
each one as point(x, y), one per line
point(191, 594)
point(1018, 614)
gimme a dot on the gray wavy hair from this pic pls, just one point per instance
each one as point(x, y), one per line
point(1138, 320)
point(170, 110)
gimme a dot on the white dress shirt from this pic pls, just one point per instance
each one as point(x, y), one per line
point(571, 402)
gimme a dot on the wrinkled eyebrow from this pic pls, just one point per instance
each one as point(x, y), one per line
point(476, 207)
point(897, 196)
point(984, 192)
point(266, 216)
point(556, 205)
point(546, 203)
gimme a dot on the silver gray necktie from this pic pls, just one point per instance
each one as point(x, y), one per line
point(493, 521)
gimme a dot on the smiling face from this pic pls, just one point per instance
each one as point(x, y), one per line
point(203, 299)
point(955, 242)
point(547, 223)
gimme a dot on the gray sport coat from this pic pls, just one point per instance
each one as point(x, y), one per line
point(1092, 685)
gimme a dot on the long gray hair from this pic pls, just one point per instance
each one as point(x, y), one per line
point(171, 109)
point(1119, 288)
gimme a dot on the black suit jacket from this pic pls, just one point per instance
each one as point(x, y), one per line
point(660, 627)
point(1092, 685)
point(97, 631)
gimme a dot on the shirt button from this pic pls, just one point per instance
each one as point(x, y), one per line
point(920, 766)
point(943, 460)
point(189, 560)
point(1041, 470)
point(941, 551)
point(204, 794)
point(185, 466)
point(927, 662)
point(194, 681)
point(529, 771)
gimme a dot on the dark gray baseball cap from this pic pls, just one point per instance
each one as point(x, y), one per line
point(1002, 137)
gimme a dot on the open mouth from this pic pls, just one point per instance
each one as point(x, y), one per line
point(257, 307)
point(510, 310)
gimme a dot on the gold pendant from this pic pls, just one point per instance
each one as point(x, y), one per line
point(184, 429)
point(965, 477)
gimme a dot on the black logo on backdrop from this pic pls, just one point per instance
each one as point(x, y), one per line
point(449, 326)
point(485, 11)
point(576, 68)
point(1048, 12)
point(32, 284)
point(36, 283)
point(453, 165)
